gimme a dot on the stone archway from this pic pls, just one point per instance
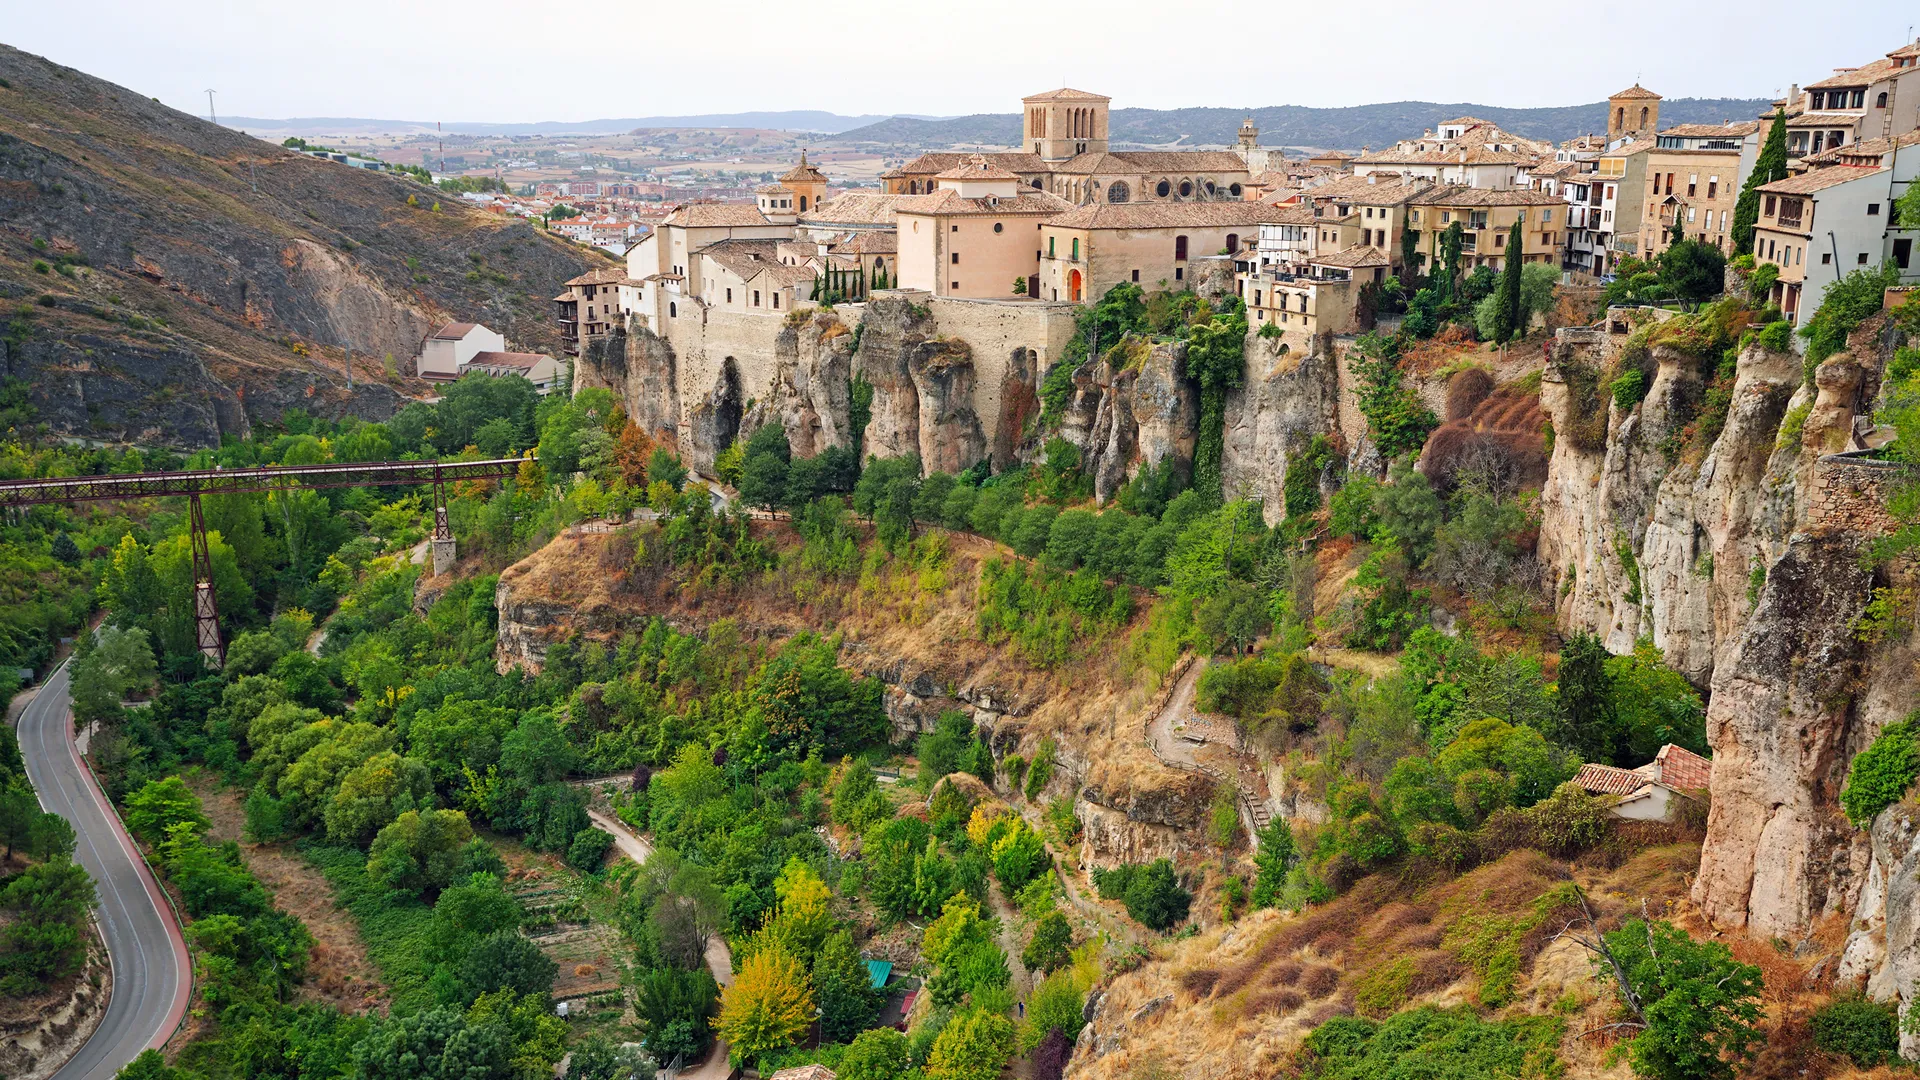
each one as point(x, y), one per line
point(1073, 286)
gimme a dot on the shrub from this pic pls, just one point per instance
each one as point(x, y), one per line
point(1628, 388)
point(1881, 774)
point(589, 849)
point(1776, 337)
point(1865, 1031)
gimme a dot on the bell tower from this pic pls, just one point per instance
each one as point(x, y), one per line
point(1633, 113)
point(1062, 123)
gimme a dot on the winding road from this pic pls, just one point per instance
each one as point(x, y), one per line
point(151, 971)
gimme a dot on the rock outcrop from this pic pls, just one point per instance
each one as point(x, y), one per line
point(1288, 398)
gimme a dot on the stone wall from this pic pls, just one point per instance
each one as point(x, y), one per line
point(1849, 493)
point(1013, 343)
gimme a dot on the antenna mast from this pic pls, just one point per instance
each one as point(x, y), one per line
point(211, 115)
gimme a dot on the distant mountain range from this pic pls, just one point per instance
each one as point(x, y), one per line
point(1350, 128)
point(792, 120)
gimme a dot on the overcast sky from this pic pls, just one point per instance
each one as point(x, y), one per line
point(491, 60)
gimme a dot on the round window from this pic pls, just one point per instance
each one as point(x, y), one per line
point(1233, 190)
point(1186, 188)
point(1162, 188)
point(996, 226)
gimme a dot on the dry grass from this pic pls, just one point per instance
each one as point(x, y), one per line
point(339, 972)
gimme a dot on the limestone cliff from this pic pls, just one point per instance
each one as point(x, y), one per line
point(1287, 399)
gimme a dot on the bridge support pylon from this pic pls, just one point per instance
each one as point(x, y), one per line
point(206, 614)
point(444, 555)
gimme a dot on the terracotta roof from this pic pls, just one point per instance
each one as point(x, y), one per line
point(1679, 767)
point(1066, 93)
point(939, 161)
point(1907, 51)
point(1637, 146)
point(1288, 215)
point(803, 173)
point(854, 208)
point(1860, 76)
point(1867, 148)
point(1819, 179)
point(1327, 154)
point(783, 274)
point(1741, 128)
point(1821, 119)
point(517, 360)
point(454, 331)
point(873, 242)
point(1556, 170)
point(1374, 189)
point(716, 215)
point(1153, 161)
point(608, 276)
point(1636, 92)
point(1159, 215)
point(1461, 195)
point(1353, 258)
point(769, 189)
point(1609, 780)
point(743, 257)
point(951, 203)
point(976, 168)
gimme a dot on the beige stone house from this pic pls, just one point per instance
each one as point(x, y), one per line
point(1487, 216)
point(1372, 208)
point(975, 235)
point(1695, 172)
point(589, 306)
point(1877, 100)
point(1797, 213)
point(1090, 249)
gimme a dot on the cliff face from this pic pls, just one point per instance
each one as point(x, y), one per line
point(1288, 398)
point(168, 267)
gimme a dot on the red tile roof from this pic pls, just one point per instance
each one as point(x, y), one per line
point(454, 331)
point(1608, 780)
point(1679, 767)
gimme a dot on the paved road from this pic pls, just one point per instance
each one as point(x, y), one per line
point(151, 971)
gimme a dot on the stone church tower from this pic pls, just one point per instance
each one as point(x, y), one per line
point(1633, 113)
point(1062, 123)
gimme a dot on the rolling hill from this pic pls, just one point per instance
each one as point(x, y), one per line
point(1295, 125)
point(168, 281)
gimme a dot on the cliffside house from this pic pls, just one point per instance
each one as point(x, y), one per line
point(1696, 172)
point(589, 307)
point(1854, 105)
point(1088, 250)
point(1488, 215)
point(1653, 791)
point(1825, 223)
point(541, 370)
point(447, 350)
point(969, 237)
point(1466, 150)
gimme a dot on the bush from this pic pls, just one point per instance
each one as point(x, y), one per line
point(1777, 337)
point(588, 851)
point(1881, 774)
point(1865, 1031)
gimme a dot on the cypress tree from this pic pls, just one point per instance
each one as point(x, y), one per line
point(1409, 256)
point(1771, 165)
point(1512, 317)
point(1679, 227)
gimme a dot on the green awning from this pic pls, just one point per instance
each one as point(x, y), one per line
point(878, 971)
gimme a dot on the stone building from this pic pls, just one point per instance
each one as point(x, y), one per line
point(976, 235)
point(1487, 218)
point(1090, 249)
point(1064, 150)
point(1695, 173)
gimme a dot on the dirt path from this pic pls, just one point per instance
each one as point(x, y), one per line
point(719, 957)
point(339, 972)
point(1160, 733)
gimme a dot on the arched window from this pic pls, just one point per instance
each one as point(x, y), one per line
point(803, 204)
point(1643, 116)
point(1036, 180)
point(1162, 189)
point(1880, 102)
point(1179, 248)
point(1620, 118)
point(1234, 190)
point(1233, 243)
point(1073, 286)
point(673, 311)
point(1186, 188)
point(1117, 192)
point(1210, 188)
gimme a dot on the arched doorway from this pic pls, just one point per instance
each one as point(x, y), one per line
point(1073, 285)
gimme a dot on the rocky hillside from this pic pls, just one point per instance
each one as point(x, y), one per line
point(168, 281)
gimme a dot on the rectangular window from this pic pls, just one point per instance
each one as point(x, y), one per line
point(1076, 249)
point(776, 301)
point(1863, 259)
point(1136, 277)
point(1179, 273)
point(955, 257)
point(954, 228)
point(1770, 205)
point(1690, 213)
point(1873, 209)
point(756, 298)
point(1546, 216)
point(1713, 186)
point(1049, 247)
point(1693, 182)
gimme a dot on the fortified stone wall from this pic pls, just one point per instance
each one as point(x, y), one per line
point(1849, 493)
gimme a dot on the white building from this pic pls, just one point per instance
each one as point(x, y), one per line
point(451, 347)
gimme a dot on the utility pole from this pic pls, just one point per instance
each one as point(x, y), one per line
point(211, 115)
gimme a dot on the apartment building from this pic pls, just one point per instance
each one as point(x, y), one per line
point(1694, 174)
point(1818, 226)
point(1487, 216)
point(1088, 250)
point(1877, 100)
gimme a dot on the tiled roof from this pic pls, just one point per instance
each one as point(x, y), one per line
point(782, 274)
point(608, 276)
point(454, 331)
point(1636, 92)
point(940, 161)
point(716, 215)
point(743, 257)
point(950, 203)
point(1066, 93)
point(1353, 258)
point(855, 208)
point(769, 189)
point(1873, 148)
point(1159, 215)
point(803, 173)
point(1818, 179)
point(976, 168)
point(1679, 767)
point(1327, 155)
point(1461, 195)
point(1608, 780)
point(1153, 161)
point(1860, 76)
point(1821, 120)
point(1637, 146)
point(1374, 189)
point(872, 242)
point(1706, 131)
point(1556, 170)
point(517, 360)
point(1295, 214)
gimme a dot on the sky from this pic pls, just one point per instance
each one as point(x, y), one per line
point(516, 62)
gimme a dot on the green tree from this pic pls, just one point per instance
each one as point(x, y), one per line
point(1586, 700)
point(1155, 898)
point(1052, 939)
point(843, 989)
point(154, 810)
point(973, 1046)
point(1216, 362)
point(1698, 1007)
point(1693, 271)
point(1512, 319)
point(597, 1057)
point(1272, 861)
point(504, 960)
point(1770, 165)
point(879, 1054)
point(419, 852)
